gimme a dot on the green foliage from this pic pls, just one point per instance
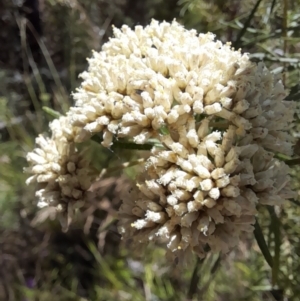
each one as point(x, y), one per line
point(35, 91)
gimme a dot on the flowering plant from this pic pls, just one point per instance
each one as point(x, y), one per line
point(217, 120)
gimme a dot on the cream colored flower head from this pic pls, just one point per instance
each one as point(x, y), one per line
point(219, 119)
point(62, 176)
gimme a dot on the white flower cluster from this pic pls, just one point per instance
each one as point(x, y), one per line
point(62, 175)
point(219, 117)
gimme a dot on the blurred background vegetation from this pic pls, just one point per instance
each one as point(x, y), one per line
point(43, 47)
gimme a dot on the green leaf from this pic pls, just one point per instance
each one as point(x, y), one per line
point(51, 112)
point(195, 279)
point(246, 25)
point(262, 244)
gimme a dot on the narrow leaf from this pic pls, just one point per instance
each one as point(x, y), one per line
point(247, 23)
point(51, 112)
point(272, 6)
point(195, 279)
point(262, 244)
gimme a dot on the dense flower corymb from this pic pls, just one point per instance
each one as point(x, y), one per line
point(219, 118)
point(62, 176)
